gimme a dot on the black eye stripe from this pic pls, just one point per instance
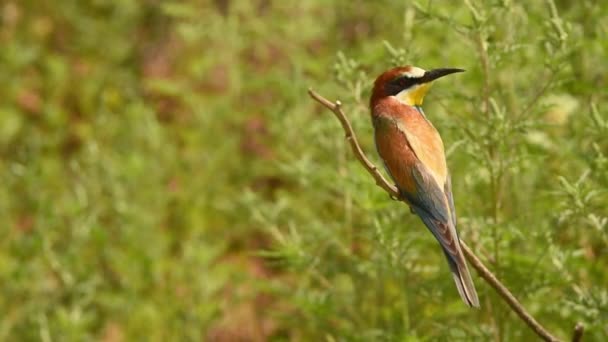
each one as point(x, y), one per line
point(399, 83)
point(406, 81)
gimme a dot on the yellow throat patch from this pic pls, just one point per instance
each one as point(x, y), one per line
point(414, 96)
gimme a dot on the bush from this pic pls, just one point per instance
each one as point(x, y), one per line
point(166, 177)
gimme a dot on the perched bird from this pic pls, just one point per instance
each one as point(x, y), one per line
point(413, 154)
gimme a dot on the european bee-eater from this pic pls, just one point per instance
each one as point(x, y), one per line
point(413, 154)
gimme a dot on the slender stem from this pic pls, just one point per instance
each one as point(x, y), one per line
point(504, 292)
point(482, 44)
point(579, 329)
point(481, 269)
point(536, 96)
point(483, 57)
point(350, 136)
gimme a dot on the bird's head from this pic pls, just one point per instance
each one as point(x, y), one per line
point(408, 83)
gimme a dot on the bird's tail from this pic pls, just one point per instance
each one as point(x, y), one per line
point(458, 265)
point(463, 280)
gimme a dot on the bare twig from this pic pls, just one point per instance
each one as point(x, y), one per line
point(483, 271)
point(336, 108)
point(504, 292)
point(579, 329)
point(536, 97)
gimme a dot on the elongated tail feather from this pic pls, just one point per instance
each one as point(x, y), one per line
point(464, 283)
point(456, 260)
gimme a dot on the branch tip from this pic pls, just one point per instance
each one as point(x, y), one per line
point(579, 329)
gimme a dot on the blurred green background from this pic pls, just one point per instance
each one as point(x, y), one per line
point(165, 176)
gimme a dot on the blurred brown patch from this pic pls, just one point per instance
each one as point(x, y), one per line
point(71, 144)
point(355, 30)
point(29, 101)
point(355, 27)
point(217, 80)
point(11, 14)
point(254, 240)
point(73, 141)
point(24, 223)
point(267, 185)
point(265, 56)
point(246, 315)
point(264, 7)
point(255, 136)
point(241, 323)
point(157, 64)
point(169, 109)
point(260, 98)
point(594, 249)
point(222, 6)
point(81, 67)
point(174, 185)
point(112, 332)
point(260, 241)
point(316, 46)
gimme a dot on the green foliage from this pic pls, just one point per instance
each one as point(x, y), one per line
point(165, 176)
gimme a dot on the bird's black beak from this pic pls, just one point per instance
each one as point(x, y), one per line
point(434, 74)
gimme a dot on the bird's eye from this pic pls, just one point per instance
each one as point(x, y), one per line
point(399, 83)
point(405, 82)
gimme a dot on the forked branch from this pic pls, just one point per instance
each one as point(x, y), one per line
point(482, 270)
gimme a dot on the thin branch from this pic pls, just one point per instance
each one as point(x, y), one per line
point(483, 57)
point(336, 108)
point(536, 97)
point(504, 292)
point(483, 271)
point(579, 329)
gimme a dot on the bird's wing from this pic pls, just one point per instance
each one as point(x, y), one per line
point(431, 204)
point(416, 183)
point(447, 189)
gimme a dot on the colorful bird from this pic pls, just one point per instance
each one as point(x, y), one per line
point(413, 154)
